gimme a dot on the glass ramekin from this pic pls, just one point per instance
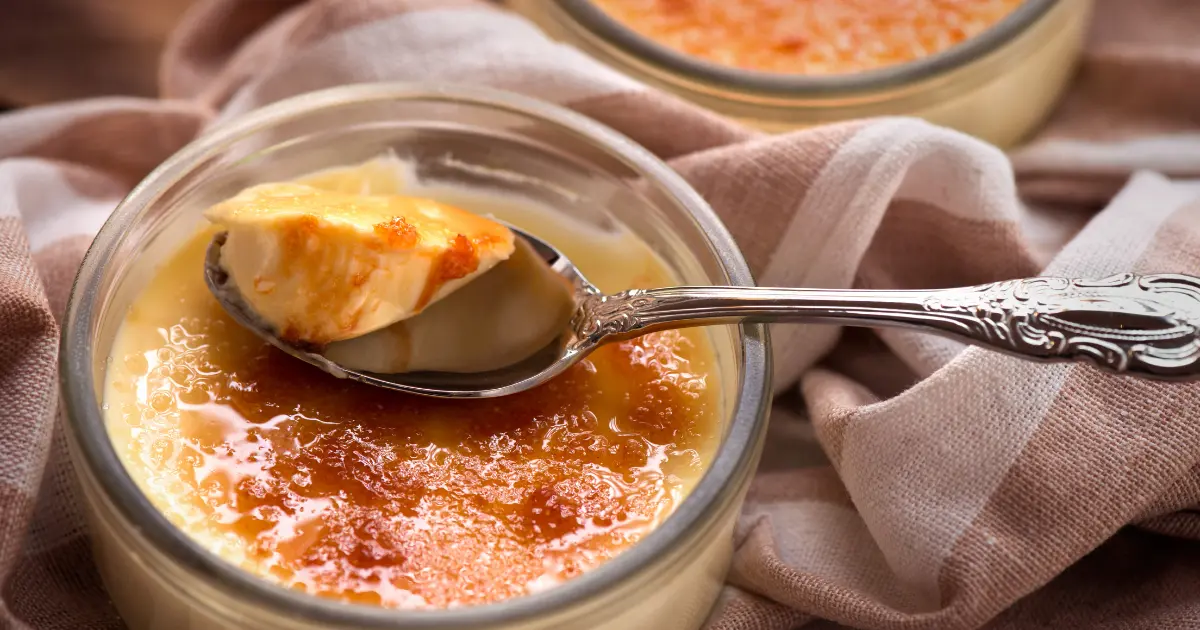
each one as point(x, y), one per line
point(160, 578)
point(997, 86)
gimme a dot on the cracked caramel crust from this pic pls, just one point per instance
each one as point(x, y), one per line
point(358, 494)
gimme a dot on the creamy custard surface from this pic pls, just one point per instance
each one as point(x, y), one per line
point(365, 495)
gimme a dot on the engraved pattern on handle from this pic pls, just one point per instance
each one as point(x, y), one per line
point(1142, 325)
point(1125, 323)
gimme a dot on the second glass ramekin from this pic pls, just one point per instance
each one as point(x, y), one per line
point(998, 85)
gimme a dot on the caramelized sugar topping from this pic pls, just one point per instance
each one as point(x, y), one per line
point(361, 494)
point(398, 233)
point(813, 37)
point(459, 261)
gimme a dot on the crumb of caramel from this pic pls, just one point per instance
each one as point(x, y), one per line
point(460, 261)
point(397, 233)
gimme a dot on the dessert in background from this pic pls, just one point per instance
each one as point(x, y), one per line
point(813, 37)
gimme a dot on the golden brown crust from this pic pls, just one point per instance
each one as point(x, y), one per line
point(354, 492)
point(398, 233)
point(460, 261)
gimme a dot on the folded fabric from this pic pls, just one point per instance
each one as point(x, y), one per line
point(909, 482)
point(53, 50)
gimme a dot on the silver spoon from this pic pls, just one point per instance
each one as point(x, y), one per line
point(1147, 326)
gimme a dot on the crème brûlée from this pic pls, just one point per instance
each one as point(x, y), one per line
point(810, 37)
point(360, 494)
point(322, 266)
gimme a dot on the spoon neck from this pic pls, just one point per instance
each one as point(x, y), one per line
point(632, 313)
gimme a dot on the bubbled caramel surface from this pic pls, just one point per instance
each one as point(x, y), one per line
point(812, 37)
point(356, 493)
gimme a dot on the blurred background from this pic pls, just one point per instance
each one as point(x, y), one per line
point(56, 50)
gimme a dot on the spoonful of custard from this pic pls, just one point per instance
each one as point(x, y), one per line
point(387, 284)
point(423, 297)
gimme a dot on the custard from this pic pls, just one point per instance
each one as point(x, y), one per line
point(360, 494)
point(322, 266)
point(811, 37)
point(496, 321)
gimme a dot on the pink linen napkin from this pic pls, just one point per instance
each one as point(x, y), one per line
point(910, 482)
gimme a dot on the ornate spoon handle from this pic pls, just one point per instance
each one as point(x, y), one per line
point(1141, 325)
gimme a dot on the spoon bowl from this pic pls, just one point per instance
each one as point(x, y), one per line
point(1146, 326)
point(541, 366)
